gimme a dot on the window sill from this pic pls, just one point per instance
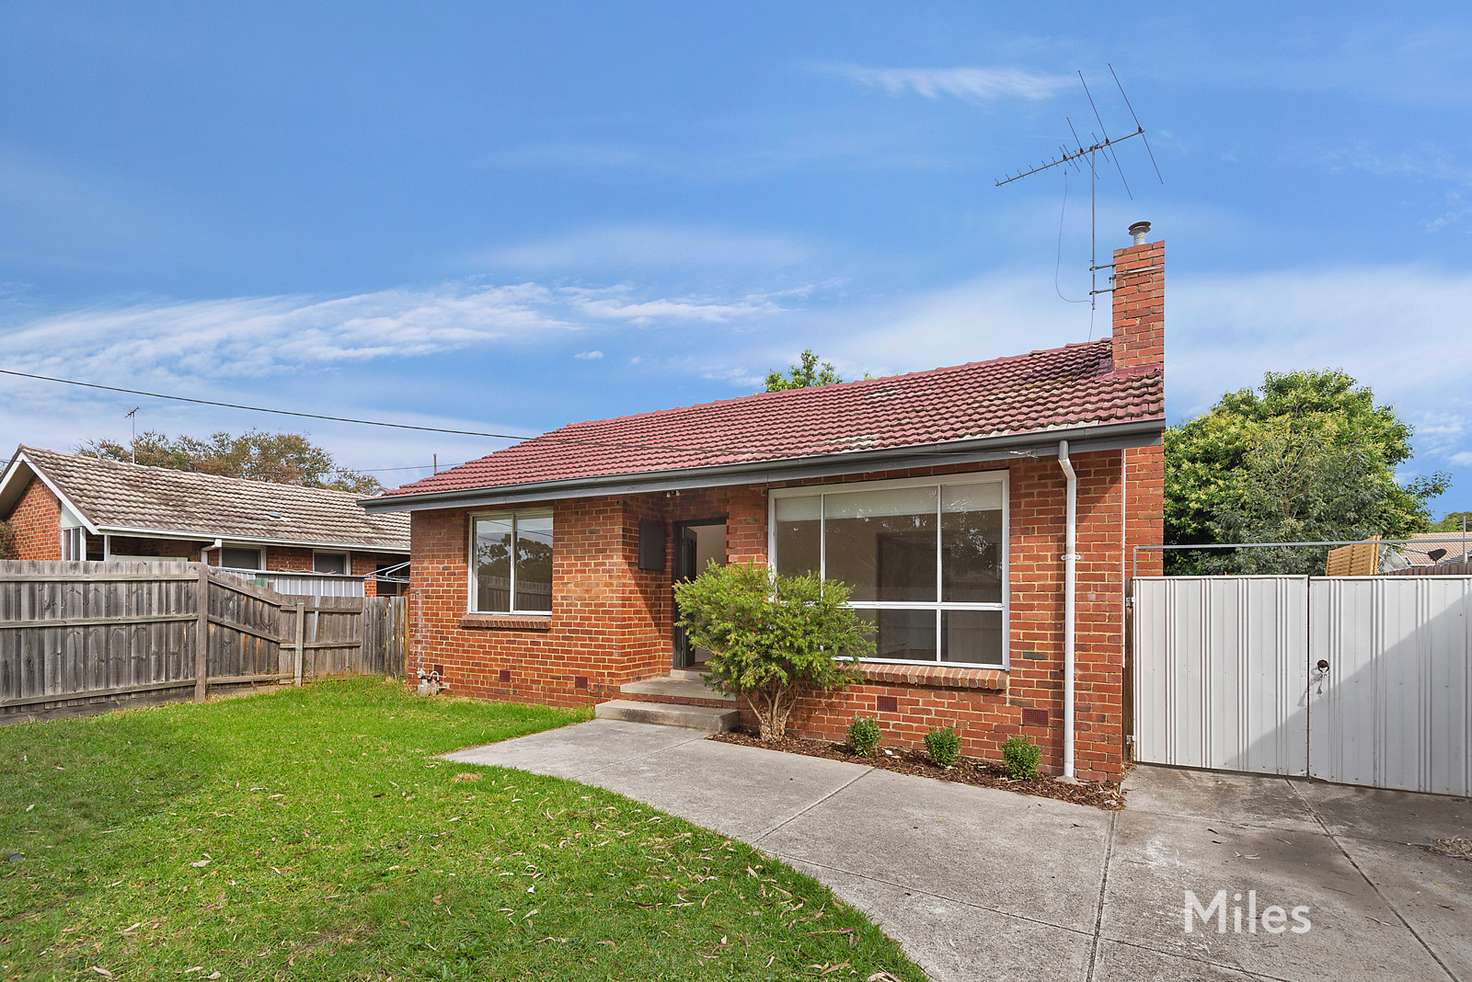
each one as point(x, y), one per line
point(937, 676)
point(515, 622)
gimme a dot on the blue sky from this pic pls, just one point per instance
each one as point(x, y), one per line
point(508, 218)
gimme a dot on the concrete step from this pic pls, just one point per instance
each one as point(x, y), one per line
point(677, 688)
point(698, 674)
point(706, 719)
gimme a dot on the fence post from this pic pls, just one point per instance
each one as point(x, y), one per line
point(202, 636)
point(301, 638)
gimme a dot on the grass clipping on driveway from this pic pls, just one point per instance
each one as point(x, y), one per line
point(313, 833)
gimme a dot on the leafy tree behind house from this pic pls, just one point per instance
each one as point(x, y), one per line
point(1306, 456)
point(1453, 522)
point(7, 541)
point(807, 373)
point(281, 458)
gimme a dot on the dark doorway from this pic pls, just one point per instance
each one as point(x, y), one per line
point(697, 544)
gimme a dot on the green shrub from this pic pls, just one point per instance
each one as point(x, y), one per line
point(943, 746)
point(771, 636)
point(863, 735)
point(1021, 757)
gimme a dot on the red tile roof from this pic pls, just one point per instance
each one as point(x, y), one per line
point(1053, 389)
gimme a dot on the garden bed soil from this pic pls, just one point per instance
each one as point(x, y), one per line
point(968, 770)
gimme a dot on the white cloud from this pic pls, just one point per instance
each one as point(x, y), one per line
point(978, 84)
point(617, 304)
point(261, 335)
point(649, 247)
point(588, 355)
point(1462, 458)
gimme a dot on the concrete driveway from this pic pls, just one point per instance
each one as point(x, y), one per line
point(977, 883)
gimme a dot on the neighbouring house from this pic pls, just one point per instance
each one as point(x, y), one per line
point(1433, 548)
point(985, 515)
point(70, 506)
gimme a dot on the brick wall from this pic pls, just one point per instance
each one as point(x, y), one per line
point(36, 524)
point(606, 622)
point(1139, 306)
point(986, 707)
point(170, 548)
point(611, 621)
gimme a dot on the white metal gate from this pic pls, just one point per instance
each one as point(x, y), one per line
point(1363, 680)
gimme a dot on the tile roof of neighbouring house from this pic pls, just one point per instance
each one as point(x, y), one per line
point(116, 495)
point(1052, 389)
point(1418, 550)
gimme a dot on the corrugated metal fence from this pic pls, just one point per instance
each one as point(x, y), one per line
point(1363, 680)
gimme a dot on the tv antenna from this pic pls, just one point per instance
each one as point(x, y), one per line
point(132, 415)
point(1067, 158)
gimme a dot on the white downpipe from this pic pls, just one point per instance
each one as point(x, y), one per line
point(1070, 563)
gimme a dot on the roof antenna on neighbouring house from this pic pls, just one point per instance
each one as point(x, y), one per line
point(1067, 158)
point(132, 415)
point(435, 464)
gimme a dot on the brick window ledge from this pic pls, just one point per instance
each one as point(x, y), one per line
point(514, 622)
point(937, 676)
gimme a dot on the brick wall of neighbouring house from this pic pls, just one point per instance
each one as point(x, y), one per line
point(364, 564)
point(36, 524)
point(296, 559)
point(169, 548)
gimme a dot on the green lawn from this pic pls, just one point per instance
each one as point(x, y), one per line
point(312, 833)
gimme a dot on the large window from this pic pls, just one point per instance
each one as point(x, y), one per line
point(927, 560)
point(511, 563)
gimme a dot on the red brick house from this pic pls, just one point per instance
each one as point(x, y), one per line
point(543, 572)
point(69, 506)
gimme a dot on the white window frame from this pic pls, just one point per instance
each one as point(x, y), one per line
point(347, 561)
point(999, 478)
point(260, 551)
point(513, 515)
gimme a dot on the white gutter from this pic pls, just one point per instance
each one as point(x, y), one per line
point(1070, 564)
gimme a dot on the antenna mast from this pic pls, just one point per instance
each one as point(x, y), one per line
point(1071, 158)
point(132, 415)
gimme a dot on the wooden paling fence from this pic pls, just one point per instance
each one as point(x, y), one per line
point(76, 636)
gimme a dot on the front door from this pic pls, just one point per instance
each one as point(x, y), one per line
point(697, 545)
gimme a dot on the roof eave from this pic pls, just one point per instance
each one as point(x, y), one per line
point(254, 540)
point(1083, 439)
point(12, 486)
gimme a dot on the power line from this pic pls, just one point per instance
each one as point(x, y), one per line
point(346, 419)
point(547, 437)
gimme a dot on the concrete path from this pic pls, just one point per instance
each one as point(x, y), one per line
point(977, 883)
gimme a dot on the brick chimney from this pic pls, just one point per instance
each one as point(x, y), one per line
point(1139, 301)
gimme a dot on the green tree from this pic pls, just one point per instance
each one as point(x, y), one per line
point(1453, 521)
point(7, 541)
point(281, 458)
point(808, 372)
point(1307, 455)
point(772, 636)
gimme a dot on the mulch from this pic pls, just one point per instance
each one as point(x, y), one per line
point(967, 770)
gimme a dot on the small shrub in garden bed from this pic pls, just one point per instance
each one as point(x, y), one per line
point(944, 746)
point(863, 735)
point(771, 636)
point(1021, 757)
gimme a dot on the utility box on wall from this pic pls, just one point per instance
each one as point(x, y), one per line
point(651, 544)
